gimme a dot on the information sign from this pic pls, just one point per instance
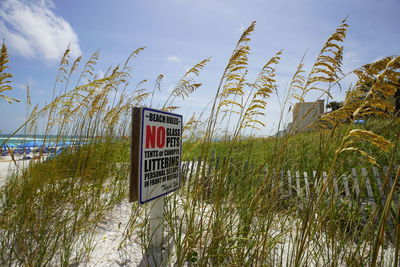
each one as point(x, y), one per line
point(155, 153)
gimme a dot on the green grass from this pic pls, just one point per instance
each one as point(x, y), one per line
point(303, 151)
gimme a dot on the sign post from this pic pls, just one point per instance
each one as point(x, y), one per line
point(155, 257)
point(155, 166)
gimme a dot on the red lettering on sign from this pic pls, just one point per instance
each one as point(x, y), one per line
point(155, 136)
point(150, 136)
point(160, 137)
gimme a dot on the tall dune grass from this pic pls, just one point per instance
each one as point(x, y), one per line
point(231, 209)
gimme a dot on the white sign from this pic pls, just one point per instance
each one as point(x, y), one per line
point(159, 153)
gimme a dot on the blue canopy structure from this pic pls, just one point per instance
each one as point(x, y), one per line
point(67, 143)
point(34, 144)
point(11, 145)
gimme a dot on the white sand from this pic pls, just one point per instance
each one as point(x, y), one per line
point(108, 238)
point(7, 166)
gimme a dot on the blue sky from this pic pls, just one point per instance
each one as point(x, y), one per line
point(179, 33)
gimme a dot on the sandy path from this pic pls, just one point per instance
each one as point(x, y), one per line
point(107, 240)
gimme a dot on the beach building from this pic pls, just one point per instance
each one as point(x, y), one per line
point(305, 114)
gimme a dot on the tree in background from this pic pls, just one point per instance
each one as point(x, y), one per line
point(397, 99)
point(334, 105)
point(381, 83)
point(376, 93)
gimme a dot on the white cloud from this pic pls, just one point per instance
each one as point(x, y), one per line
point(32, 29)
point(174, 59)
point(351, 57)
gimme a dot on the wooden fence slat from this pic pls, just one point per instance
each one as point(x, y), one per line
point(266, 172)
point(364, 174)
point(298, 183)
point(282, 181)
point(217, 164)
point(230, 170)
point(245, 168)
point(268, 178)
point(386, 170)
point(289, 174)
point(189, 173)
point(183, 168)
point(368, 186)
point(199, 165)
point(346, 186)
point(315, 179)
point(355, 182)
point(377, 179)
point(324, 178)
point(191, 169)
point(210, 165)
point(273, 179)
point(184, 173)
point(335, 185)
point(306, 184)
point(187, 168)
point(199, 170)
point(219, 171)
